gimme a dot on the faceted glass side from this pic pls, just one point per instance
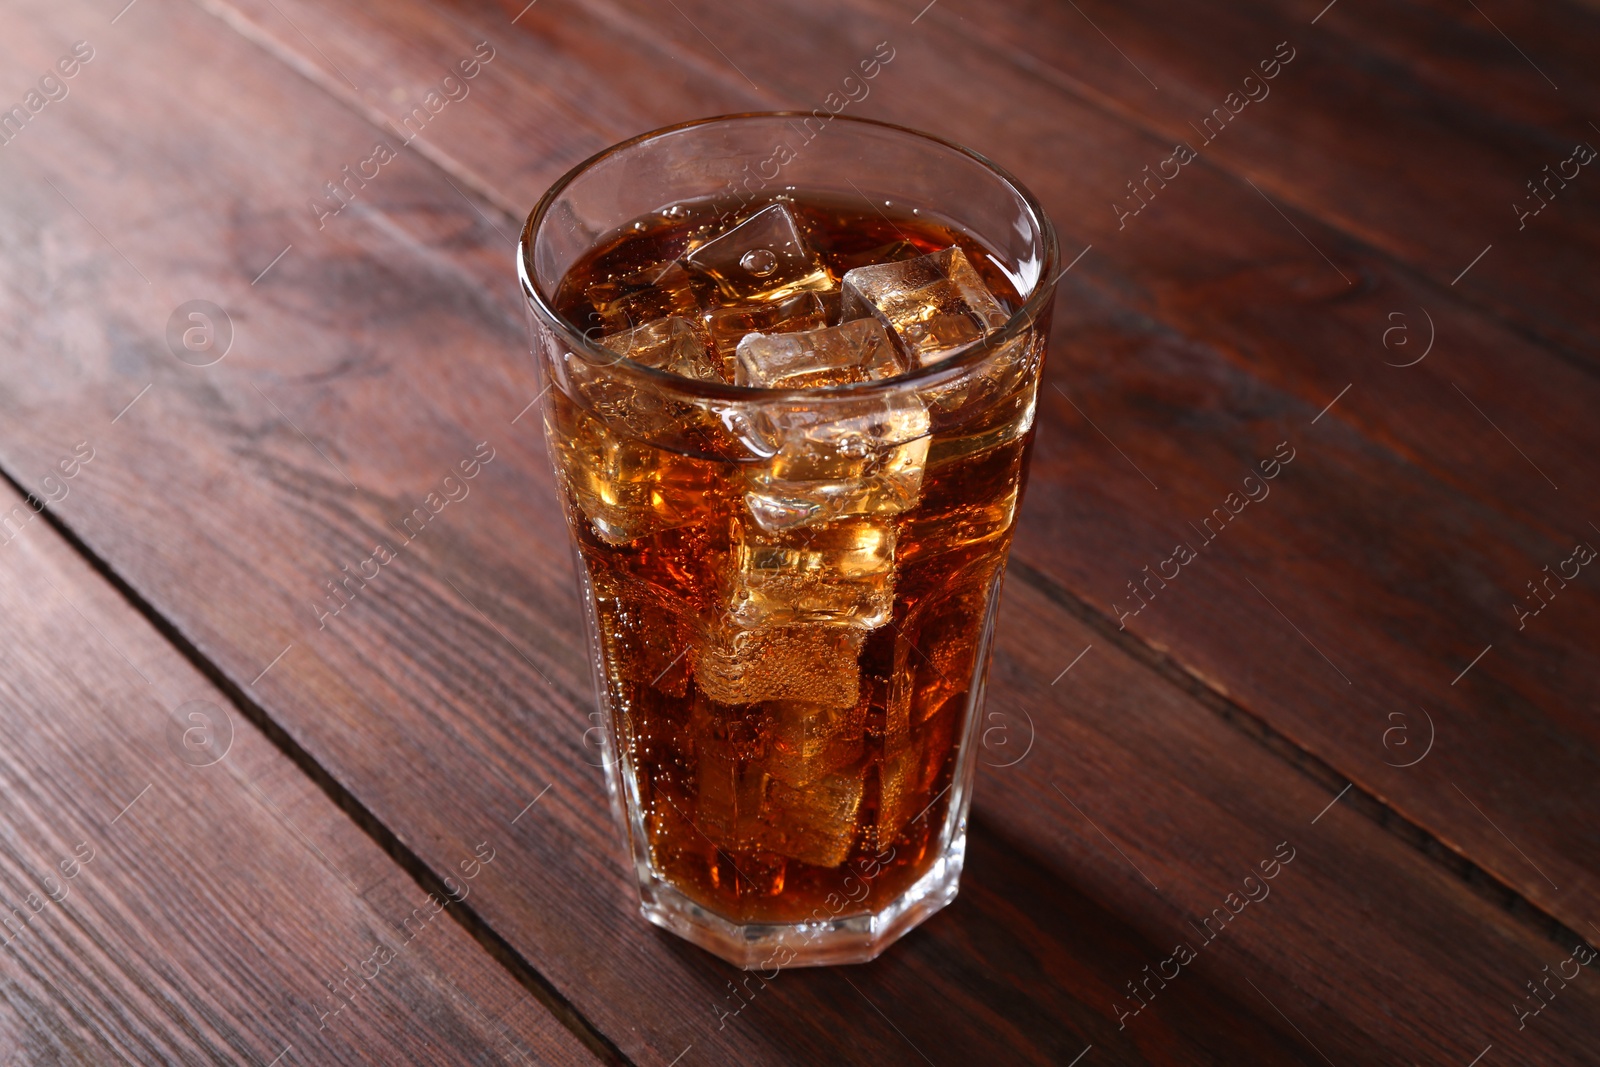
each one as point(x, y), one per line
point(790, 436)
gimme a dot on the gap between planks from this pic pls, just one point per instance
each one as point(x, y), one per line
point(1477, 878)
point(1045, 72)
point(1480, 879)
point(1025, 63)
point(521, 969)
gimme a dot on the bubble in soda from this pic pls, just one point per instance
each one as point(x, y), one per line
point(792, 594)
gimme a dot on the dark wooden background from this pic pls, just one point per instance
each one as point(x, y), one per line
point(1342, 669)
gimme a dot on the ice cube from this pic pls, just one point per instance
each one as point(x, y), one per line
point(644, 638)
point(858, 351)
point(937, 657)
point(731, 794)
point(626, 488)
point(814, 823)
point(1000, 390)
point(814, 664)
point(674, 345)
point(931, 680)
point(851, 456)
point(657, 291)
point(936, 304)
point(841, 572)
point(906, 777)
point(765, 257)
point(730, 325)
point(809, 741)
point(955, 527)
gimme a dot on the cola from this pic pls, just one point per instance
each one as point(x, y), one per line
point(792, 496)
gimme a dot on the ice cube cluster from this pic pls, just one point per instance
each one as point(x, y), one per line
point(778, 319)
point(810, 565)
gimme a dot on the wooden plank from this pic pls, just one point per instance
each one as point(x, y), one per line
point(1204, 804)
point(1275, 331)
point(1519, 63)
point(1413, 128)
point(175, 890)
point(1199, 272)
point(1255, 305)
point(215, 504)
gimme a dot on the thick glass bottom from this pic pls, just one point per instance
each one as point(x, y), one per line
point(855, 938)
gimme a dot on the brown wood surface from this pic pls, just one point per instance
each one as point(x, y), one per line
point(173, 903)
point(1169, 761)
point(1242, 321)
point(1439, 122)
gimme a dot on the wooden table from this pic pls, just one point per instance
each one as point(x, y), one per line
point(238, 827)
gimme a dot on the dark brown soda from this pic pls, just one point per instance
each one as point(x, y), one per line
point(798, 809)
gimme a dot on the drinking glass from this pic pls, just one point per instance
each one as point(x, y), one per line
point(791, 718)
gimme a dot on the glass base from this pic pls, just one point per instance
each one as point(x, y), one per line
point(855, 938)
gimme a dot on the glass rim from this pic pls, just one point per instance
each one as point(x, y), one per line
point(1020, 321)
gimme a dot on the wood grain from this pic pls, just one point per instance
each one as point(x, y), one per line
point(1410, 128)
point(452, 692)
point(1213, 316)
point(171, 902)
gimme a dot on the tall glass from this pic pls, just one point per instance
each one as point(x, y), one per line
point(791, 592)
